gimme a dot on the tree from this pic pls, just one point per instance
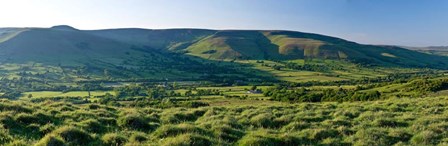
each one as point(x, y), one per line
point(253, 88)
point(30, 95)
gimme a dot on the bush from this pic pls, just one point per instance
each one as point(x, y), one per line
point(113, 139)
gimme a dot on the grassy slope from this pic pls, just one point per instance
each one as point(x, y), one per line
point(418, 121)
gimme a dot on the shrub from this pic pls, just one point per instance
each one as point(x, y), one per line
point(113, 139)
point(94, 106)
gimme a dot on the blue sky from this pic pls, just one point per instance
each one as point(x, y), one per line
point(394, 22)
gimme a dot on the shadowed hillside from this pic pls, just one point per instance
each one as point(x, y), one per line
point(67, 45)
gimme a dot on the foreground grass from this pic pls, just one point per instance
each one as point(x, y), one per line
point(417, 121)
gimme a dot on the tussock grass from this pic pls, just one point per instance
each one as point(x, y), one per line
point(418, 121)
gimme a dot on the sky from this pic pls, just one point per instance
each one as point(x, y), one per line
point(388, 22)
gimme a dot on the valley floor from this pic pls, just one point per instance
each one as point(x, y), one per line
point(395, 121)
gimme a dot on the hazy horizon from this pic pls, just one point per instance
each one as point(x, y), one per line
point(399, 22)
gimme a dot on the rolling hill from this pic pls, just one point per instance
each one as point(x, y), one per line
point(272, 45)
point(435, 50)
point(147, 52)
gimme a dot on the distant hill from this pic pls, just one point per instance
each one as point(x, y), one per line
point(273, 45)
point(435, 50)
point(67, 45)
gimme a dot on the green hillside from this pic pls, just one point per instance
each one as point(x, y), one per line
point(63, 53)
point(157, 39)
point(66, 53)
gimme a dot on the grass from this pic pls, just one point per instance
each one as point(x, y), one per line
point(395, 121)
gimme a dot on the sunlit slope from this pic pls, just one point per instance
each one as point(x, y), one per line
point(319, 46)
point(234, 45)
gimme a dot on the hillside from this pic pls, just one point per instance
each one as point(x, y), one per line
point(435, 50)
point(184, 53)
point(273, 45)
point(66, 53)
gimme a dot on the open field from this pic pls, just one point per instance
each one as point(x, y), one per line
point(39, 94)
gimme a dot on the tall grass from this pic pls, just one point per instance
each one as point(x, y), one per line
point(418, 121)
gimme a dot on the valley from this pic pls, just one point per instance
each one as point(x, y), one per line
point(65, 86)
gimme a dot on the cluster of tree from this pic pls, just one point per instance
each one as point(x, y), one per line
point(307, 67)
point(428, 85)
point(305, 95)
point(202, 92)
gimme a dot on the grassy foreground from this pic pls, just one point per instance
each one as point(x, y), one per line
point(417, 121)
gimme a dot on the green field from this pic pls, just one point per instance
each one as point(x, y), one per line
point(39, 94)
